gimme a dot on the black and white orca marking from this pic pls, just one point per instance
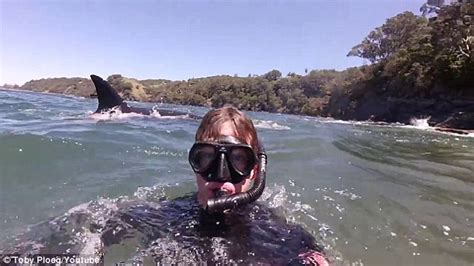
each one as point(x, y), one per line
point(109, 98)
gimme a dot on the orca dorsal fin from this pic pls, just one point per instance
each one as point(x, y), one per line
point(107, 96)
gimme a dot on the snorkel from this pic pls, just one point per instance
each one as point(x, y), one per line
point(229, 159)
point(228, 202)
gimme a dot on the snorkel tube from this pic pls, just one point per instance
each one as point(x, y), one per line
point(224, 202)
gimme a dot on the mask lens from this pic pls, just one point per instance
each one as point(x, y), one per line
point(201, 157)
point(242, 159)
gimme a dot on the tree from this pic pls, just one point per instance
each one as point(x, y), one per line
point(454, 43)
point(272, 75)
point(395, 34)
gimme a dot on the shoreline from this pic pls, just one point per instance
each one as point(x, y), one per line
point(351, 94)
point(448, 130)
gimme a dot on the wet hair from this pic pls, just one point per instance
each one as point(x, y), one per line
point(210, 127)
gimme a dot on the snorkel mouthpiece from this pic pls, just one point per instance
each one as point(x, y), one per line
point(219, 193)
point(224, 202)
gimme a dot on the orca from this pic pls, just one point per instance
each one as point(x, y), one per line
point(109, 98)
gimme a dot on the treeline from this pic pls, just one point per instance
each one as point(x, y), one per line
point(296, 94)
point(411, 58)
point(75, 86)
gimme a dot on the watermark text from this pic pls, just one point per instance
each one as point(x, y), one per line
point(56, 259)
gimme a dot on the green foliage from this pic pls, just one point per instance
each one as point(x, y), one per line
point(453, 35)
point(402, 33)
point(411, 56)
point(272, 75)
point(77, 86)
point(415, 54)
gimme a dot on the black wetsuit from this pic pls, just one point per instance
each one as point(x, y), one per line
point(178, 232)
point(168, 232)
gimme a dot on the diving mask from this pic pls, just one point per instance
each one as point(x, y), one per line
point(227, 160)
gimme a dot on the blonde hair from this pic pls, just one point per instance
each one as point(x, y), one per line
point(210, 127)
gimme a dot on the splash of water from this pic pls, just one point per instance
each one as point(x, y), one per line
point(117, 114)
point(421, 123)
point(113, 114)
point(268, 124)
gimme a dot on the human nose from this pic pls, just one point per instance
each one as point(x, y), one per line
point(223, 173)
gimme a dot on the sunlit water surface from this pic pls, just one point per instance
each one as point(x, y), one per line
point(371, 195)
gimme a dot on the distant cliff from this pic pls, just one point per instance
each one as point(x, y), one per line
point(74, 86)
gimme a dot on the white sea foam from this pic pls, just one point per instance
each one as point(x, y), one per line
point(415, 123)
point(336, 121)
point(113, 114)
point(116, 114)
point(421, 123)
point(268, 124)
point(156, 192)
point(276, 196)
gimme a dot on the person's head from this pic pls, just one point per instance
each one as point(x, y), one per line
point(233, 153)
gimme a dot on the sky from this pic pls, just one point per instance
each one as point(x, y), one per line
point(179, 40)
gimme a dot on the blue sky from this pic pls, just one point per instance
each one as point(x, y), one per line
point(183, 39)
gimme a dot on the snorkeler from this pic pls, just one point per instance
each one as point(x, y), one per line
point(228, 160)
point(218, 225)
point(230, 166)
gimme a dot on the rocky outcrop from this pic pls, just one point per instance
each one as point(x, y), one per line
point(442, 113)
point(461, 120)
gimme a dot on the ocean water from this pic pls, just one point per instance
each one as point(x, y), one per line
point(370, 194)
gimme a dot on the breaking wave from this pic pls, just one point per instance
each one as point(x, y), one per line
point(268, 124)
